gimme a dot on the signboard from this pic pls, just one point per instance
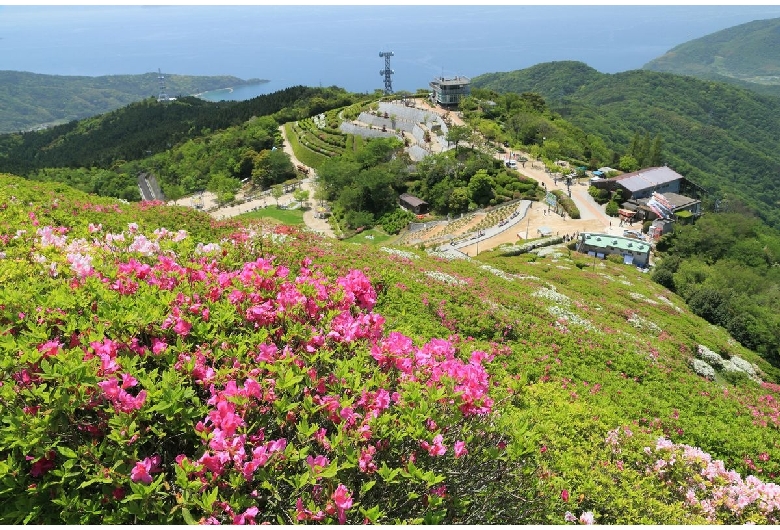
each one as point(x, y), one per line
point(550, 200)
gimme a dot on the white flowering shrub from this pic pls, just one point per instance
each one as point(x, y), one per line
point(709, 356)
point(562, 313)
point(497, 272)
point(703, 369)
point(551, 294)
point(642, 323)
point(444, 277)
point(399, 253)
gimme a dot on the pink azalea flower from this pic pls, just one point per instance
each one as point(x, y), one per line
point(50, 348)
point(143, 469)
point(158, 346)
point(182, 327)
point(343, 500)
point(365, 462)
point(435, 449)
point(460, 449)
point(318, 463)
point(128, 381)
point(43, 464)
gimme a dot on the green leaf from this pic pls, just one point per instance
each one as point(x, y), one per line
point(331, 470)
point(367, 486)
point(67, 452)
point(372, 514)
point(187, 516)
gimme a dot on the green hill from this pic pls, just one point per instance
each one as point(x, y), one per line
point(159, 366)
point(37, 100)
point(747, 55)
point(147, 127)
point(719, 136)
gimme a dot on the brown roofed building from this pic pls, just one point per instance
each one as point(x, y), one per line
point(413, 204)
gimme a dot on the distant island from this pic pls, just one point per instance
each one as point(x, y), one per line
point(35, 101)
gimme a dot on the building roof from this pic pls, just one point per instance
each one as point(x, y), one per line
point(647, 178)
point(679, 201)
point(459, 80)
point(617, 242)
point(411, 200)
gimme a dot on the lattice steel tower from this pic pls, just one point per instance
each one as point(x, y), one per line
point(387, 72)
point(162, 96)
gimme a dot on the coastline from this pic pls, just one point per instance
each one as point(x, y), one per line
point(230, 90)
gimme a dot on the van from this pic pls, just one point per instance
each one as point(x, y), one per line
point(511, 164)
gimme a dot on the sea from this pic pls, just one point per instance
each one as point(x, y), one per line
point(340, 45)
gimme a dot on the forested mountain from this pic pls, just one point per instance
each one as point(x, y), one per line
point(32, 100)
point(148, 127)
point(722, 137)
point(747, 55)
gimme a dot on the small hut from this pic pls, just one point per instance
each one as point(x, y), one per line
point(413, 204)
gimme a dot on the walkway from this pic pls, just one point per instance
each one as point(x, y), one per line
point(492, 231)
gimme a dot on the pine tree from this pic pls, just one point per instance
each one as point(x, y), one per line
point(656, 152)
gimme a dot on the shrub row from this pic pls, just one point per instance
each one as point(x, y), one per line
point(567, 204)
point(304, 154)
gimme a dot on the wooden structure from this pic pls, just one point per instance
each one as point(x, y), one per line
point(413, 204)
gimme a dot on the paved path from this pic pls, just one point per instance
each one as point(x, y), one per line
point(488, 233)
point(321, 226)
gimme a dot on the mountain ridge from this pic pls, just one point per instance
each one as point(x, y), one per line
point(712, 130)
point(75, 97)
point(745, 55)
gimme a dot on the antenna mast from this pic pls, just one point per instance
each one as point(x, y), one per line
point(162, 96)
point(387, 72)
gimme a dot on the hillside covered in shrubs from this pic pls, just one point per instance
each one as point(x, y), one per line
point(159, 366)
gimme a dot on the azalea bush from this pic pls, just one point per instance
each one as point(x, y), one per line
point(159, 366)
point(695, 480)
point(147, 378)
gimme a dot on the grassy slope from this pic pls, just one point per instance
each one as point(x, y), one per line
point(287, 217)
point(580, 350)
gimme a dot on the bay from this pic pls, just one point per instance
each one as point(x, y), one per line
point(339, 45)
point(241, 93)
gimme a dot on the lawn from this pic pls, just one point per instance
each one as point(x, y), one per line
point(371, 237)
point(288, 217)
